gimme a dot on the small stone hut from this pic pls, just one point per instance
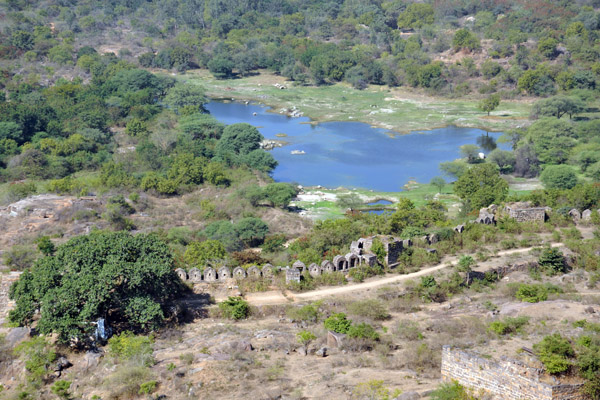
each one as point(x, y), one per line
point(195, 275)
point(523, 212)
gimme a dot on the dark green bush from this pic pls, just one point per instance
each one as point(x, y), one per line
point(338, 323)
point(533, 293)
point(554, 351)
point(363, 331)
point(235, 308)
point(552, 261)
point(508, 325)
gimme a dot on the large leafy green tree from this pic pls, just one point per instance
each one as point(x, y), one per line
point(558, 106)
point(552, 140)
point(465, 39)
point(238, 140)
point(252, 230)
point(186, 95)
point(490, 103)
point(113, 275)
point(481, 186)
point(558, 177)
point(415, 16)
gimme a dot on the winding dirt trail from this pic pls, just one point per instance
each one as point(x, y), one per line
point(278, 297)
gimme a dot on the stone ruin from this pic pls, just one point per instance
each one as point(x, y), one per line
point(393, 248)
point(504, 379)
point(523, 212)
point(360, 254)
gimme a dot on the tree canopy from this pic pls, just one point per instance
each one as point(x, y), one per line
point(122, 278)
point(481, 186)
point(558, 177)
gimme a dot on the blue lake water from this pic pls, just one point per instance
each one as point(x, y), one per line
point(350, 154)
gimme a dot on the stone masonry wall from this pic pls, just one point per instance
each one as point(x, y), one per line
point(506, 379)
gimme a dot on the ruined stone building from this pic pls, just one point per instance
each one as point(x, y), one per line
point(523, 212)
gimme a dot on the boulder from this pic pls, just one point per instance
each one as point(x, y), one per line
point(16, 336)
point(61, 364)
point(575, 214)
point(90, 360)
point(322, 352)
point(335, 339)
point(409, 396)
point(586, 215)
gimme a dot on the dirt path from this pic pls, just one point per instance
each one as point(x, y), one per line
point(277, 297)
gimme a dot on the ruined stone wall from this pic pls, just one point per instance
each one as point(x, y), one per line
point(394, 249)
point(528, 214)
point(505, 379)
point(5, 281)
point(357, 257)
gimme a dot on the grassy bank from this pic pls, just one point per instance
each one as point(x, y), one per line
point(396, 109)
point(321, 203)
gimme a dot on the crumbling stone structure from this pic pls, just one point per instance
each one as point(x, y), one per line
point(523, 212)
point(393, 248)
point(505, 379)
point(292, 275)
point(359, 255)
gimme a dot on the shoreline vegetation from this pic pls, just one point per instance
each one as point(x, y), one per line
point(377, 106)
point(395, 109)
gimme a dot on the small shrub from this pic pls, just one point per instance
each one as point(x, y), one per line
point(148, 387)
point(370, 308)
point(187, 358)
point(359, 274)
point(305, 337)
point(45, 245)
point(408, 330)
point(373, 390)
point(533, 293)
point(465, 263)
point(508, 325)
point(61, 389)
point(338, 323)
point(307, 313)
point(235, 308)
point(363, 331)
point(18, 191)
point(127, 380)
point(379, 250)
point(490, 306)
point(274, 243)
point(552, 261)
point(554, 351)
point(451, 391)
point(127, 346)
point(20, 257)
point(38, 355)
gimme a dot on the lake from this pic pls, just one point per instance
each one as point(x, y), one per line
point(350, 154)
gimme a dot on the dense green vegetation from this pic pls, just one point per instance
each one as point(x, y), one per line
point(81, 113)
point(131, 279)
point(393, 42)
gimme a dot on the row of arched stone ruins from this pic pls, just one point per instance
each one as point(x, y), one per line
point(339, 263)
point(360, 250)
point(360, 254)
